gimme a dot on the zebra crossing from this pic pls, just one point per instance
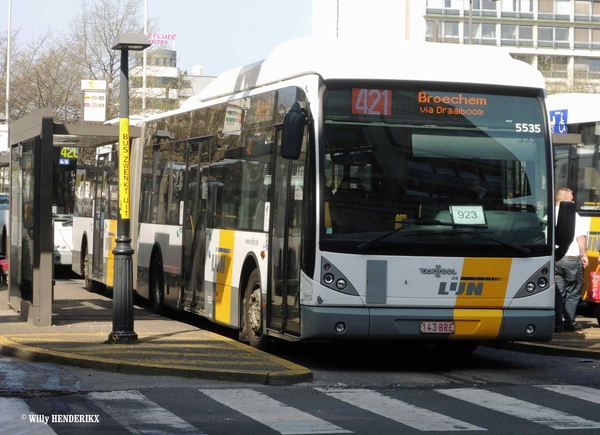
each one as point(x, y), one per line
point(307, 411)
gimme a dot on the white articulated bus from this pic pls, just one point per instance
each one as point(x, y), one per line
point(342, 190)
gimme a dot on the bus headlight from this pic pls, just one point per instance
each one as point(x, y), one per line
point(334, 279)
point(341, 284)
point(538, 282)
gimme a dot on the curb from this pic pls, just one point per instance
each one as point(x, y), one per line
point(30, 353)
point(550, 350)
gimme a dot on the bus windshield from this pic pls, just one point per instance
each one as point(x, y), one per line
point(435, 168)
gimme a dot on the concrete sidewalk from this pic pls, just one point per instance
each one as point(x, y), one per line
point(584, 343)
point(82, 321)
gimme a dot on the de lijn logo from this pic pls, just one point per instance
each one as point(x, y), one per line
point(465, 286)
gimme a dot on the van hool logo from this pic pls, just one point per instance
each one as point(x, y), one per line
point(437, 271)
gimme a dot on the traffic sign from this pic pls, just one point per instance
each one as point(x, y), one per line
point(558, 120)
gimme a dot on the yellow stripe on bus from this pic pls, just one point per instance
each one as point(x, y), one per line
point(593, 240)
point(224, 273)
point(481, 296)
point(593, 237)
point(479, 324)
point(484, 282)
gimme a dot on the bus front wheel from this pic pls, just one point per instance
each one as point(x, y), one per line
point(253, 313)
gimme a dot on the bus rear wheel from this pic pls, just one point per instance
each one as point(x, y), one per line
point(90, 284)
point(253, 313)
point(157, 294)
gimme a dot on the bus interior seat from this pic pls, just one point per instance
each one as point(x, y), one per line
point(349, 208)
point(351, 188)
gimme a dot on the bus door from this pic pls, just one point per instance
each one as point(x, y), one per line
point(283, 312)
point(194, 226)
point(101, 202)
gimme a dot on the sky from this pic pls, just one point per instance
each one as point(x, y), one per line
point(216, 34)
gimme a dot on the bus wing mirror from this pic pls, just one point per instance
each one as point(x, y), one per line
point(565, 228)
point(293, 132)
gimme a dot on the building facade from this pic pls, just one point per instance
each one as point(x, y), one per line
point(560, 37)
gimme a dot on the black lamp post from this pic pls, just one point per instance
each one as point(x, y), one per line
point(123, 286)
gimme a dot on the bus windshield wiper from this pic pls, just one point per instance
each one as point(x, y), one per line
point(420, 222)
point(368, 243)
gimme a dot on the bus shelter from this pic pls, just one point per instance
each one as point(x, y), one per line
point(31, 141)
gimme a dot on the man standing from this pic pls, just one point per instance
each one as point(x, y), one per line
point(568, 272)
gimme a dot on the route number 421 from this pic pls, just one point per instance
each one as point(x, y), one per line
point(371, 101)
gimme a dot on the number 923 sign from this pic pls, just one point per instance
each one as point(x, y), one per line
point(467, 214)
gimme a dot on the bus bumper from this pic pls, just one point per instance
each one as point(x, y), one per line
point(324, 323)
point(63, 258)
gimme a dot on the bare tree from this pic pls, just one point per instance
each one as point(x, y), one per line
point(40, 75)
point(44, 76)
point(93, 32)
point(48, 70)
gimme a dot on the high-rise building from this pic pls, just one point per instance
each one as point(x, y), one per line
point(560, 37)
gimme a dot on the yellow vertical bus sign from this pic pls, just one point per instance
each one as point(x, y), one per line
point(124, 168)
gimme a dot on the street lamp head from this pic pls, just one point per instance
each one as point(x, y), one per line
point(131, 42)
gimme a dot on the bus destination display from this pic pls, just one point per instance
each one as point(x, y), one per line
point(379, 102)
point(432, 107)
